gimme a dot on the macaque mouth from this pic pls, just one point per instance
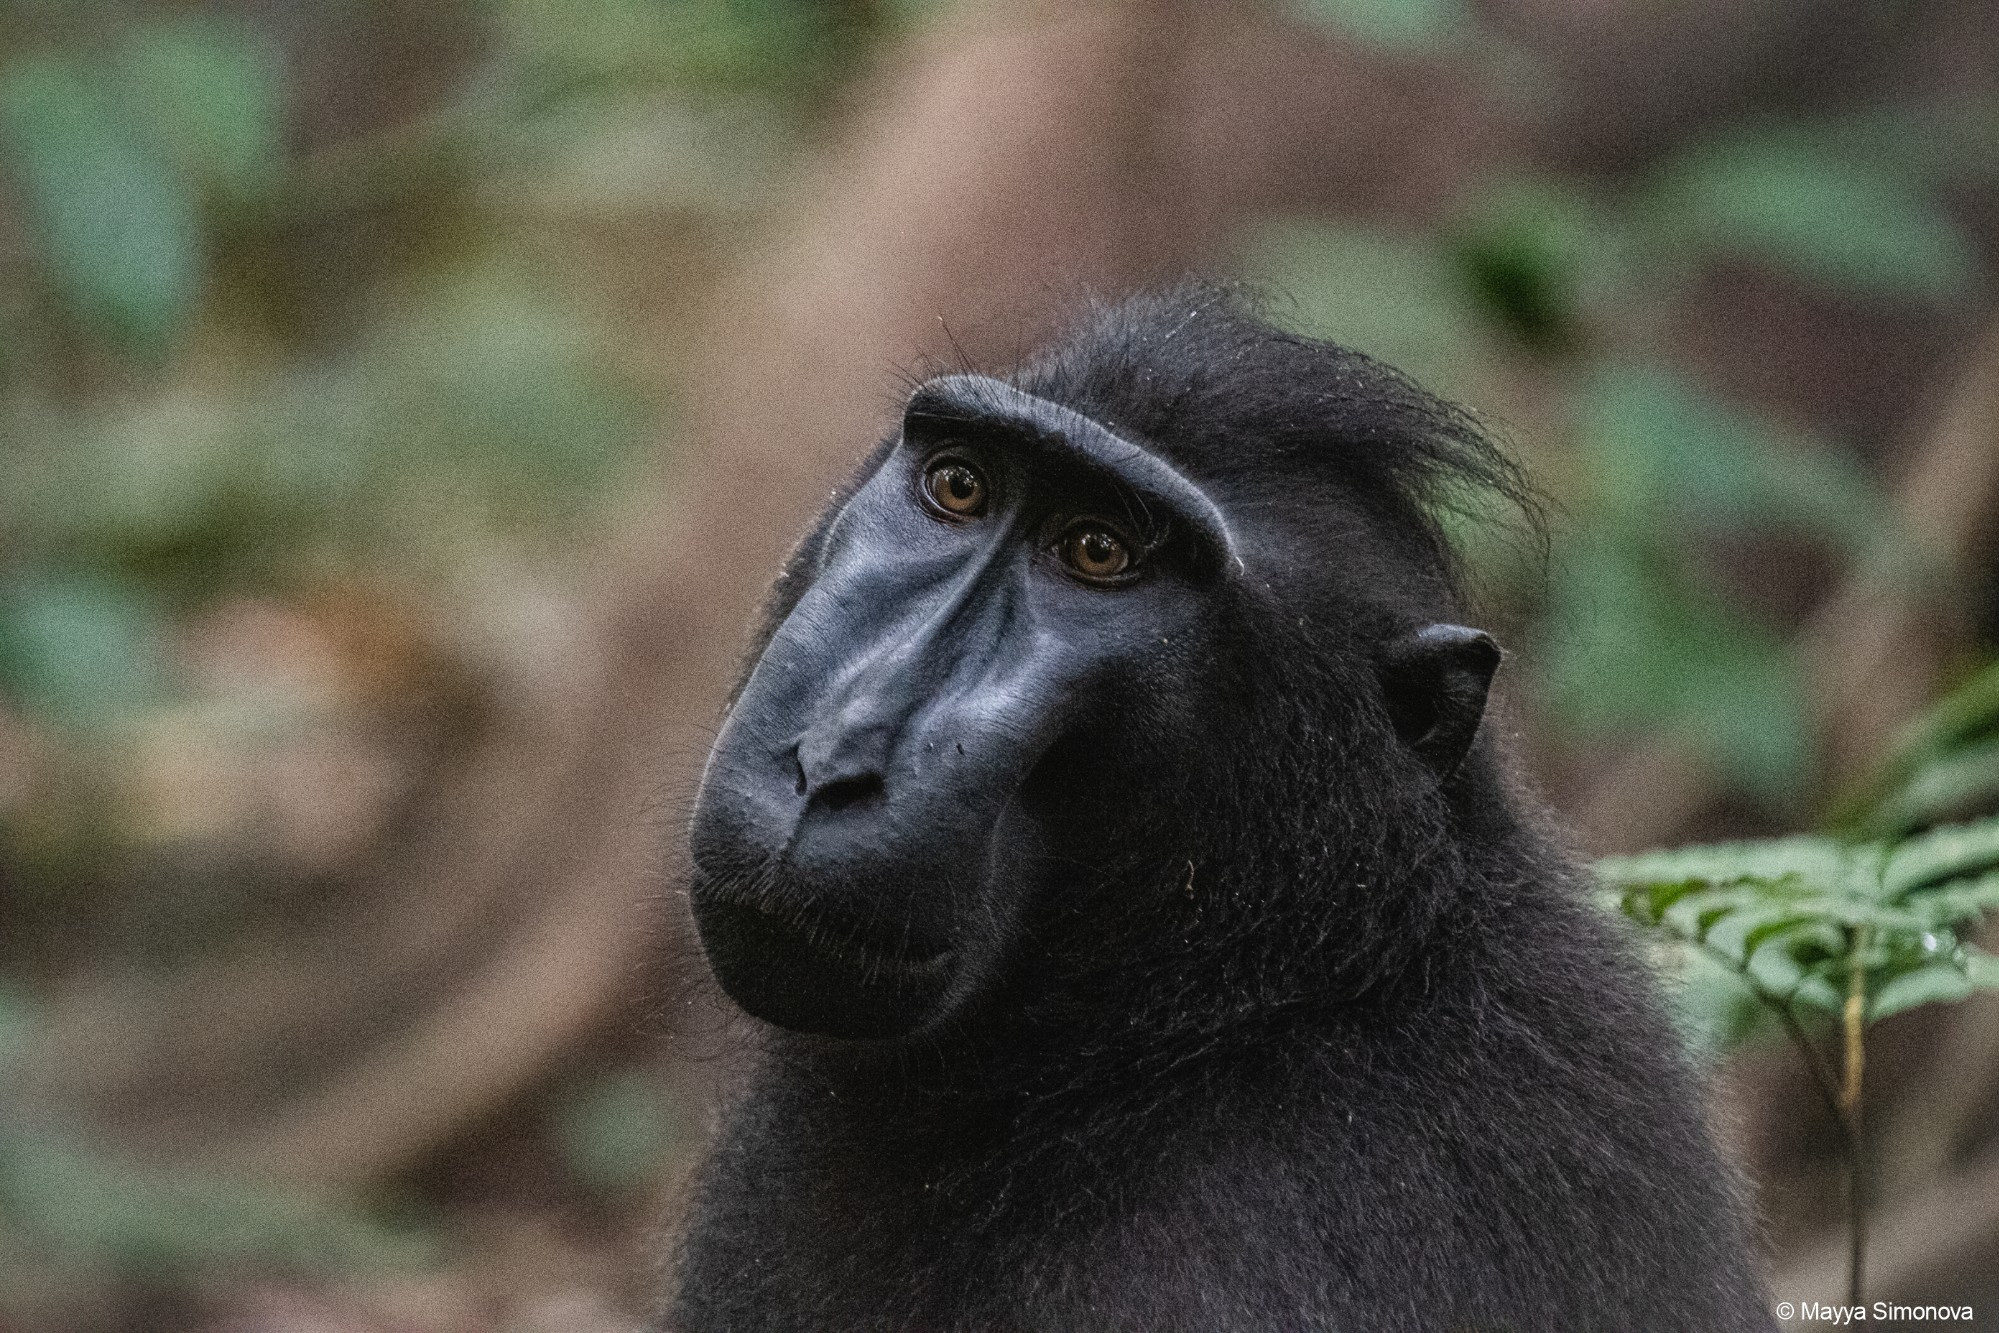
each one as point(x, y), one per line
point(879, 950)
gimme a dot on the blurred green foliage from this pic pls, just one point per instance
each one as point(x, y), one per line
point(77, 1210)
point(1642, 620)
point(72, 1216)
point(78, 648)
point(1798, 197)
point(458, 400)
point(1391, 294)
point(614, 1128)
point(1947, 768)
point(114, 153)
point(1642, 629)
point(250, 351)
point(1395, 25)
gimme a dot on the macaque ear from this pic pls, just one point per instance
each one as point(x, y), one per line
point(1435, 682)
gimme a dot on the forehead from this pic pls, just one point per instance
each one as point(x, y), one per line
point(1290, 509)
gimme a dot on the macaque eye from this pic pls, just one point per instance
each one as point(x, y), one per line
point(1094, 551)
point(955, 488)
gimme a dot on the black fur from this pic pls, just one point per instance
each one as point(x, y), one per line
point(1281, 1021)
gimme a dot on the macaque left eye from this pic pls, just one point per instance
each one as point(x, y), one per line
point(956, 488)
point(1094, 551)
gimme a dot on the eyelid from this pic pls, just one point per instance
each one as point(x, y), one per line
point(1142, 544)
point(949, 452)
point(1137, 554)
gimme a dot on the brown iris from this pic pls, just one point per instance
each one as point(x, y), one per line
point(956, 488)
point(1095, 552)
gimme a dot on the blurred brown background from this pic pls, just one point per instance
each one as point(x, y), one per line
point(404, 402)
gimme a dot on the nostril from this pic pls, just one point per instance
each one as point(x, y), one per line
point(841, 793)
point(798, 766)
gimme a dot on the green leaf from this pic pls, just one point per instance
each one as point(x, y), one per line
point(116, 221)
point(1392, 296)
point(1642, 634)
point(1952, 785)
point(1956, 900)
point(1712, 1006)
point(1628, 651)
point(616, 1130)
point(71, 1198)
point(1696, 913)
point(211, 90)
point(1932, 983)
point(1946, 764)
point(78, 649)
point(1969, 712)
point(1883, 919)
point(566, 47)
point(1648, 903)
point(1790, 197)
point(1942, 854)
point(1806, 859)
point(1774, 968)
point(1741, 705)
point(1738, 934)
point(1817, 991)
point(1533, 252)
point(1981, 968)
point(1670, 451)
point(1392, 24)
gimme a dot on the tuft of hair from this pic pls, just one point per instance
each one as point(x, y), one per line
point(1198, 371)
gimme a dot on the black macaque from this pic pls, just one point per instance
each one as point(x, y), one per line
point(1145, 934)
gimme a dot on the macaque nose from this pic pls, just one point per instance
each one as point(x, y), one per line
point(839, 767)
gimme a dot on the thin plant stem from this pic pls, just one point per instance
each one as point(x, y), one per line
point(1843, 1098)
point(1854, 1018)
point(1815, 1061)
point(1814, 1064)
